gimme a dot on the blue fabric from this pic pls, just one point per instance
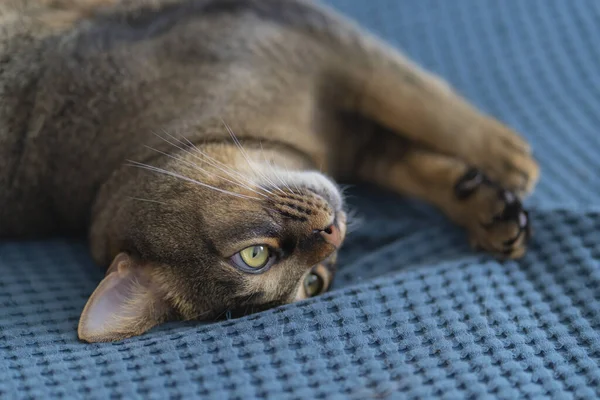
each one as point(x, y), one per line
point(414, 313)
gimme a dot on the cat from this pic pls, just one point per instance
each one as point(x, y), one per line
point(199, 142)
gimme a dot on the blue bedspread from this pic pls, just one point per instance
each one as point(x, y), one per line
point(414, 313)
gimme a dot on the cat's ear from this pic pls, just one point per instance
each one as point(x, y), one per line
point(126, 303)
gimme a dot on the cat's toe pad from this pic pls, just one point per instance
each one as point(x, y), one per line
point(494, 216)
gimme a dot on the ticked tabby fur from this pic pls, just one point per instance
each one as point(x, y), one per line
point(179, 133)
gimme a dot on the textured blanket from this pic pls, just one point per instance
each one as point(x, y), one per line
point(414, 313)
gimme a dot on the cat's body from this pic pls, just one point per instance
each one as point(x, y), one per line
point(87, 85)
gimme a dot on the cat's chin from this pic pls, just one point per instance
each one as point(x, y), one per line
point(313, 181)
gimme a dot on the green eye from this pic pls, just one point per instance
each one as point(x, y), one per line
point(255, 256)
point(313, 284)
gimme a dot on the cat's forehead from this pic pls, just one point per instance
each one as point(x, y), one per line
point(238, 213)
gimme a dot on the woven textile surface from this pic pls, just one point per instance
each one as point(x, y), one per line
point(414, 313)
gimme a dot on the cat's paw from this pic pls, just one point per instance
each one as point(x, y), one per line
point(495, 219)
point(506, 158)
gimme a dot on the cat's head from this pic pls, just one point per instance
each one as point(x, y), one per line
point(211, 237)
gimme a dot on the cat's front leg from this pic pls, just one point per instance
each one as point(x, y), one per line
point(428, 112)
point(492, 214)
point(425, 109)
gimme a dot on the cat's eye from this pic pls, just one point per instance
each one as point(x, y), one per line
point(313, 284)
point(254, 258)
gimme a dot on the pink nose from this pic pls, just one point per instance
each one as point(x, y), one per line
point(332, 235)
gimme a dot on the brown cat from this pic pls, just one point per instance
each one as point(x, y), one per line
point(195, 140)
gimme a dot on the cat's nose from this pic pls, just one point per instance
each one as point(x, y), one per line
point(332, 235)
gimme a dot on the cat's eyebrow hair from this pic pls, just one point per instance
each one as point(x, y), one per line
point(249, 231)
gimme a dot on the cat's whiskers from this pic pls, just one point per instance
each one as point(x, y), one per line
point(238, 177)
point(353, 221)
point(274, 172)
point(235, 177)
point(222, 313)
point(210, 160)
point(344, 188)
point(188, 179)
point(190, 153)
point(147, 200)
point(200, 169)
point(249, 303)
point(267, 178)
point(283, 182)
point(245, 155)
point(218, 164)
point(198, 316)
point(287, 171)
point(267, 165)
point(215, 163)
point(277, 173)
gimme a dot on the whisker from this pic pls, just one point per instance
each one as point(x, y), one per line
point(285, 184)
point(197, 149)
point(147, 200)
point(249, 303)
point(275, 172)
point(210, 160)
point(203, 314)
point(287, 171)
point(174, 145)
point(243, 152)
point(353, 221)
point(345, 187)
point(262, 150)
point(222, 313)
point(188, 179)
point(214, 161)
point(197, 167)
point(226, 169)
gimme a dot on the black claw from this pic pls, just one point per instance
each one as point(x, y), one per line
point(469, 183)
point(512, 211)
point(524, 228)
point(511, 242)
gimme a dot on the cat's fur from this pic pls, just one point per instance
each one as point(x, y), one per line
point(97, 95)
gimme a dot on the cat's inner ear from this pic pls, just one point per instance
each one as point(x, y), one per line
point(126, 303)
